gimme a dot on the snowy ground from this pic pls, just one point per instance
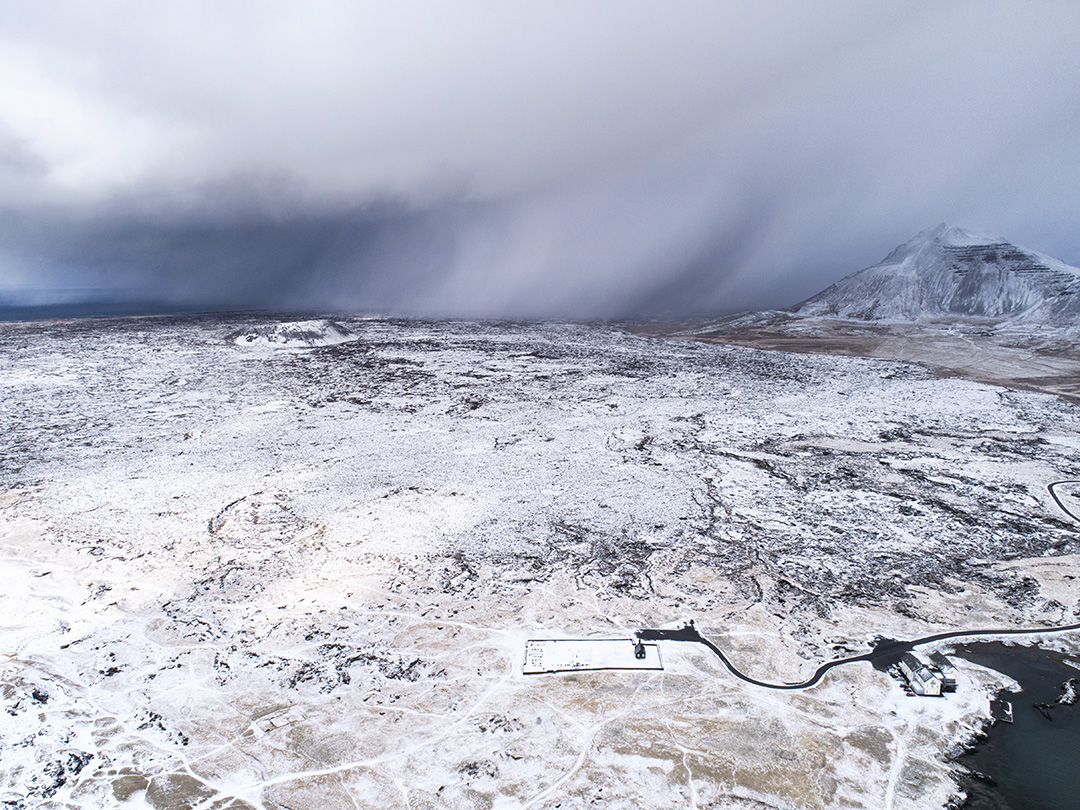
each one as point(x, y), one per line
point(1033, 358)
point(262, 573)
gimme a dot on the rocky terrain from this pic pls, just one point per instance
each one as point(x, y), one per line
point(262, 564)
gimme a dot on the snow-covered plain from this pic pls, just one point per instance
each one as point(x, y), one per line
point(246, 574)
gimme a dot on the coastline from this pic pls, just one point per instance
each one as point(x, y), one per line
point(998, 769)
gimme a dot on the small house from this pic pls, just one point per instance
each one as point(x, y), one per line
point(923, 680)
point(945, 667)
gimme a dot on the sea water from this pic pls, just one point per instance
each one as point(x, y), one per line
point(1034, 762)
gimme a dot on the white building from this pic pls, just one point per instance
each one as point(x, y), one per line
point(947, 670)
point(923, 680)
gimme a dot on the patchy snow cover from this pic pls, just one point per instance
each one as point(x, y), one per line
point(306, 579)
point(948, 272)
point(295, 333)
point(1069, 694)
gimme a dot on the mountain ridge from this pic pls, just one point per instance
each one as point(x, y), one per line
point(947, 272)
point(958, 303)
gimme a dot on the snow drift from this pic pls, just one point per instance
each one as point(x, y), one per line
point(295, 334)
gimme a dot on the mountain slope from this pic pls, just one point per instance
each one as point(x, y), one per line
point(961, 304)
point(947, 272)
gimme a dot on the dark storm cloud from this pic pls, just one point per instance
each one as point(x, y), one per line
point(495, 159)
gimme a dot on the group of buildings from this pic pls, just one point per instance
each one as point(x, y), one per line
point(928, 678)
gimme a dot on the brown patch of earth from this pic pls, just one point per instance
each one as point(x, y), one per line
point(1025, 361)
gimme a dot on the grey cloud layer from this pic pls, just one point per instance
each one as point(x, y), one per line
point(521, 159)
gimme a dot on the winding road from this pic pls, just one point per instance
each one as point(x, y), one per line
point(885, 653)
point(1051, 488)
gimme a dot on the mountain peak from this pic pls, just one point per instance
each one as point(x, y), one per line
point(947, 272)
point(940, 236)
point(955, 236)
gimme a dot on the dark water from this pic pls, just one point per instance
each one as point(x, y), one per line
point(1034, 762)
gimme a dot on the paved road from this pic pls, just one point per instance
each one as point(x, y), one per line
point(885, 653)
point(1053, 494)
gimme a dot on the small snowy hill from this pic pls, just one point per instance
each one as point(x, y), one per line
point(294, 334)
point(947, 273)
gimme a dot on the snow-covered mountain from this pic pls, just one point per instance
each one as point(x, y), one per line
point(947, 272)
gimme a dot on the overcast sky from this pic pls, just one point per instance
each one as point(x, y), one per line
point(567, 159)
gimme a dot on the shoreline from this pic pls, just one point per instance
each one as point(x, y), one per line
point(984, 776)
